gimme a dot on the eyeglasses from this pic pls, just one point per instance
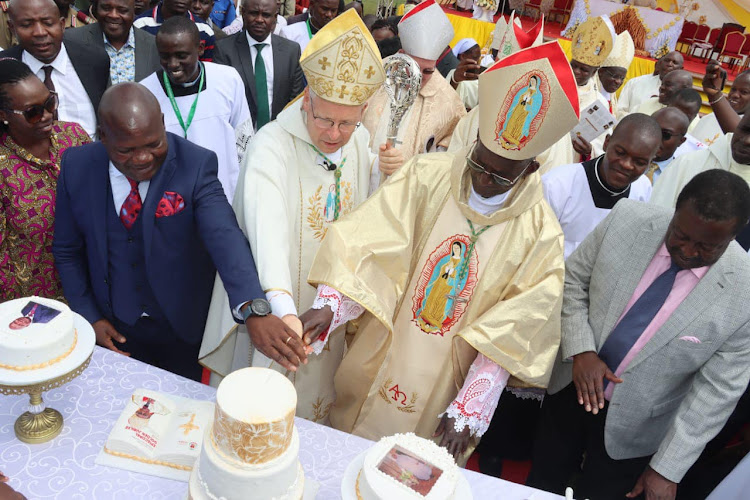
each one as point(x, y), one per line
point(613, 74)
point(498, 179)
point(667, 135)
point(328, 124)
point(35, 113)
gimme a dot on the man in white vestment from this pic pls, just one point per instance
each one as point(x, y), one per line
point(582, 194)
point(638, 90)
point(673, 83)
point(201, 101)
point(614, 69)
point(675, 141)
point(428, 124)
point(592, 43)
point(301, 173)
point(708, 129)
point(457, 284)
point(729, 152)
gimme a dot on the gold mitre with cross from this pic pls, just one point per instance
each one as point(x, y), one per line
point(593, 40)
point(342, 62)
point(623, 52)
point(529, 101)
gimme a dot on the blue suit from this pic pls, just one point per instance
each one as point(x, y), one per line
point(179, 251)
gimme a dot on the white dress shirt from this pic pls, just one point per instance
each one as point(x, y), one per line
point(267, 54)
point(121, 187)
point(75, 105)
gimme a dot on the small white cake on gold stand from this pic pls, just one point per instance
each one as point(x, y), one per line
point(43, 345)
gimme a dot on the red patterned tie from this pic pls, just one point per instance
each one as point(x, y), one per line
point(132, 206)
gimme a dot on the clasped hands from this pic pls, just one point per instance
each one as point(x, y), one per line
point(287, 340)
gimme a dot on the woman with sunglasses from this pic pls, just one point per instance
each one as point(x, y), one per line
point(31, 145)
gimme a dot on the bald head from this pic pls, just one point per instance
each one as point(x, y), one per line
point(630, 149)
point(674, 81)
point(674, 125)
point(128, 105)
point(131, 128)
point(668, 63)
point(38, 27)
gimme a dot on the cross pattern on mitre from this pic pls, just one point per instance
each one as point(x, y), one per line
point(534, 102)
point(347, 69)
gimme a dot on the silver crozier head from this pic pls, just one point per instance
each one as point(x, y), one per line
point(403, 79)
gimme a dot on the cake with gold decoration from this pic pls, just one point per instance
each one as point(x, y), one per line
point(406, 466)
point(252, 449)
point(35, 333)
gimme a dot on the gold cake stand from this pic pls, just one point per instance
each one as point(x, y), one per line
point(39, 423)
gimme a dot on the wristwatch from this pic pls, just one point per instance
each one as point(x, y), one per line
point(258, 307)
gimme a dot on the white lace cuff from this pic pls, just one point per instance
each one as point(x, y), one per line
point(344, 309)
point(477, 400)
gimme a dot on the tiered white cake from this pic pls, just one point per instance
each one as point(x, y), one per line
point(35, 333)
point(252, 449)
point(407, 467)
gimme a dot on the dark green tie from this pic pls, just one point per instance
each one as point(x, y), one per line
point(261, 89)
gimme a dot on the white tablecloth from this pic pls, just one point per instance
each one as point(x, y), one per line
point(663, 28)
point(64, 467)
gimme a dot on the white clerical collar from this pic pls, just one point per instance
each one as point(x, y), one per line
point(252, 41)
point(59, 64)
point(605, 94)
point(486, 206)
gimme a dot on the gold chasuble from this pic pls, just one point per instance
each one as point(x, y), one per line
point(439, 283)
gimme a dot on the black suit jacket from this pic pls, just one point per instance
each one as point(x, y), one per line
point(146, 55)
point(288, 80)
point(91, 66)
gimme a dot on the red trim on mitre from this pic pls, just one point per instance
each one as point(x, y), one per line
point(557, 59)
point(419, 8)
point(527, 38)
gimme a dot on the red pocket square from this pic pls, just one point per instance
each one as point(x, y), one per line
point(170, 204)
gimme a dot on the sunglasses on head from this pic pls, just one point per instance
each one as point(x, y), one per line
point(35, 113)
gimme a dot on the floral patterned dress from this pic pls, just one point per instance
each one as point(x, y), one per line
point(27, 214)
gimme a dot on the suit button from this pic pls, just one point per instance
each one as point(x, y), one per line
point(130, 239)
point(109, 305)
point(106, 282)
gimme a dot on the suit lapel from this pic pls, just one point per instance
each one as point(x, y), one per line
point(93, 78)
point(636, 259)
point(155, 193)
point(707, 292)
point(243, 48)
point(100, 194)
point(280, 61)
point(141, 56)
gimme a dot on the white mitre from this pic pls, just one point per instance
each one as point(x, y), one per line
point(425, 31)
point(622, 53)
point(509, 38)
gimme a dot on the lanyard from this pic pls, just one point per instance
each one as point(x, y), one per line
point(337, 176)
point(309, 31)
point(191, 114)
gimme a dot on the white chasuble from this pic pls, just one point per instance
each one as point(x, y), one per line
point(708, 129)
point(286, 200)
point(431, 312)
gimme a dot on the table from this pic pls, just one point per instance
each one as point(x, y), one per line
point(662, 28)
point(64, 467)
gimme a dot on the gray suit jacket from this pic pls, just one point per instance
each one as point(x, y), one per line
point(146, 55)
point(676, 394)
point(288, 80)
